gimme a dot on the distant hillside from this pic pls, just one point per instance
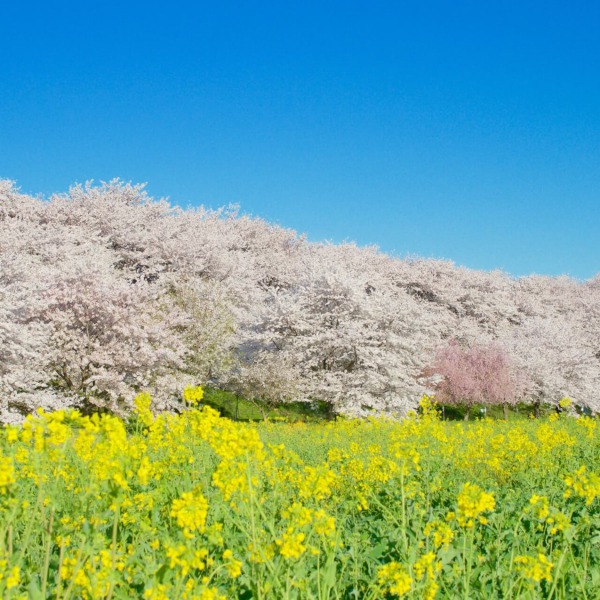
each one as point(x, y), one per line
point(105, 292)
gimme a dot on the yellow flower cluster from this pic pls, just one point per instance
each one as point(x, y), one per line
point(291, 544)
point(427, 567)
point(232, 565)
point(565, 402)
point(583, 484)
point(535, 568)
point(142, 404)
point(472, 503)
point(539, 505)
point(441, 532)
point(7, 474)
point(394, 578)
point(197, 507)
point(193, 395)
point(10, 576)
point(93, 576)
point(190, 512)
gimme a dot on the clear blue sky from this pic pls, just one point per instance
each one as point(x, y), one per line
point(460, 130)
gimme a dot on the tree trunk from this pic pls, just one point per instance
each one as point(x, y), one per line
point(505, 410)
point(467, 413)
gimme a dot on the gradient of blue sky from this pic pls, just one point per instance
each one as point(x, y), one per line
point(460, 130)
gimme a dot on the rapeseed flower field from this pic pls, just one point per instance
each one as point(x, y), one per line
point(197, 507)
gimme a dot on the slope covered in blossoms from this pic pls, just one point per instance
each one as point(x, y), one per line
point(105, 292)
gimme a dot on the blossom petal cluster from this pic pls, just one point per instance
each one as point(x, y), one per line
point(106, 292)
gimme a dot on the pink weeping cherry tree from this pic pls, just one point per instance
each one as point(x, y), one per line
point(479, 374)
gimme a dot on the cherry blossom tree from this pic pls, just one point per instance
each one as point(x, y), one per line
point(480, 374)
point(268, 380)
point(105, 291)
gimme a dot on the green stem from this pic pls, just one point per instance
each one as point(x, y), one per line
point(469, 559)
point(47, 555)
point(253, 523)
point(78, 565)
point(558, 567)
point(581, 581)
point(403, 494)
point(61, 558)
point(114, 550)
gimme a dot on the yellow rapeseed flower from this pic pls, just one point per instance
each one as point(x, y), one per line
point(142, 404)
point(14, 578)
point(7, 473)
point(394, 578)
point(233, 566)
point(535, 568)
point(291, 544)
point(539, 505)
point(583, 484)
point(193, 395)
point(190, 511)
point(442, 533)
point(472, 503)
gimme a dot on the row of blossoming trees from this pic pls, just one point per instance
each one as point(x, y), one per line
point(105, 292)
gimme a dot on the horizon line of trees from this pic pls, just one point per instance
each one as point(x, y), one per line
point(106, 292)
